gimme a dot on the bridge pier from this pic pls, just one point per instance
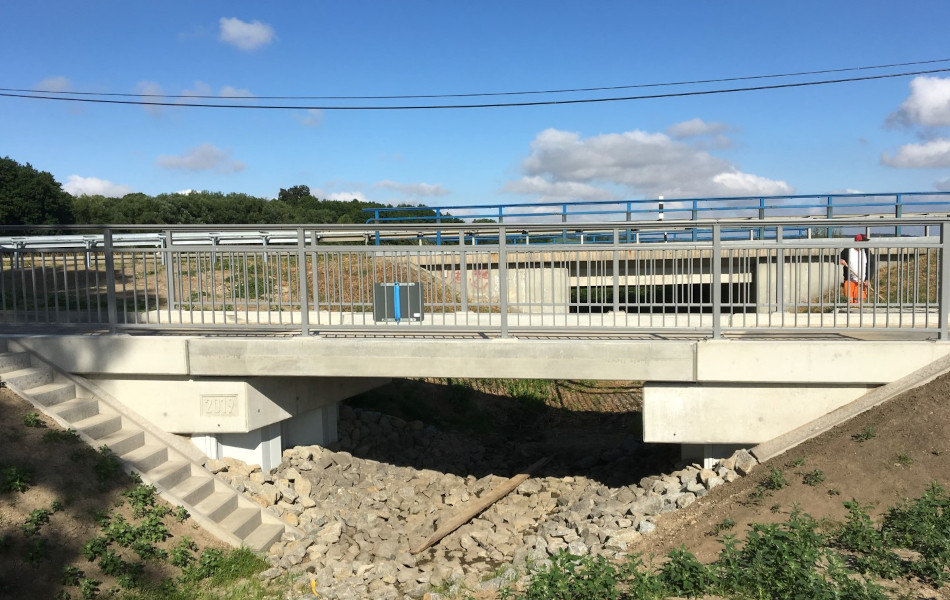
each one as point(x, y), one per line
point(265, 445)
point(253, 419)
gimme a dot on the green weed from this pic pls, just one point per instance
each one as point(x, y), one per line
point(723, 525)
point(32, 419)
point(813, 478)
point(775, 480)
point(56, 436)
point(865, 434)
point(38, 517)
point(15, 479)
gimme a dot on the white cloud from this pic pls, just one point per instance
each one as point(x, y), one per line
point(233, 92)
point(942, 186)
point(203, 89)
point(932, 154)
point(927, 105)
point(55, 84)
point(185, 192)
point(312, 118)
point(741, 184)
point(200, 89)
point(246, 36)
point(346, 196)
point(557, 191)
point(413, 189)
point(151, 88)
point(93, 186)
point(648, 164)
point(206, 157)
point(695, 128)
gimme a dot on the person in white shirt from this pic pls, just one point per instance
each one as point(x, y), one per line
point(857, 269)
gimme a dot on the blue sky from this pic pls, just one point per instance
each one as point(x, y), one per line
point(883, 135)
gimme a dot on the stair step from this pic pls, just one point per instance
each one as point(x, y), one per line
point(242, 521)
point(77, 409)
point(13, 361)
point(264, 536)
point(170, 473)
point(50, 394)
point(194, 488)
point(146, 457)
point(217, 505)
point(29, 377)
point(100, 426)
point(124, 440)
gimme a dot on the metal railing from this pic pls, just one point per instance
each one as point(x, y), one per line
point(723, 283)
point(693, 210)
point(827, 206)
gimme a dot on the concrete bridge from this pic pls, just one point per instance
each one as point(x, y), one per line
point(248, 349)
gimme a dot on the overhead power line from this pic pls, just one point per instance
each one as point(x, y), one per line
point(488, 94)
point(481, 105)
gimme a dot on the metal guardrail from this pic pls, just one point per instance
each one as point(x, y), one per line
point(692, 210)
point(728, 282)
point(826, 206)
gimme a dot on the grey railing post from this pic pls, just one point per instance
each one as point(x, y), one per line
point(111, 310)
point(302, 282)
point(169, 262)
point(944, 289)
point(463, 271)
point(503, 279)
point(899, 213)
point(780, 272)
point(715, 282)
point(616, 269)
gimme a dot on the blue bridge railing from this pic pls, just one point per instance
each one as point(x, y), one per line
point(825, 206)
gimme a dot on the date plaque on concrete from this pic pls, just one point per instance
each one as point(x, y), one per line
point(219, 405)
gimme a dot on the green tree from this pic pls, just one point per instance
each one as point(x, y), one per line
point(294, 195)
point(31, 197)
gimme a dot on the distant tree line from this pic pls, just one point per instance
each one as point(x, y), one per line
point(31, 197)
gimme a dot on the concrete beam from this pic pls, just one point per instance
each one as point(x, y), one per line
point(813, 361)
point(735, 414)
point(504, 358)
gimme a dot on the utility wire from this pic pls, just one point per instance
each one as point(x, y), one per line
point(484, 105)
point(486, 94)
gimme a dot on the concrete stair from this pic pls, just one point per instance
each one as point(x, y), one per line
point(171, 465)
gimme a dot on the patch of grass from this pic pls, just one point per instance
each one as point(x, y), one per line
point(107, 466)
point(865, 434)
point(56, 436)
point(794, 559)
point(723, 525)
point(902, 459)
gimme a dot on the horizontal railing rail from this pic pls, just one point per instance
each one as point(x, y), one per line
point(733, 276)
point(829, 206)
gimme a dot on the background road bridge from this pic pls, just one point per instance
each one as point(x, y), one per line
point(740, 332)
